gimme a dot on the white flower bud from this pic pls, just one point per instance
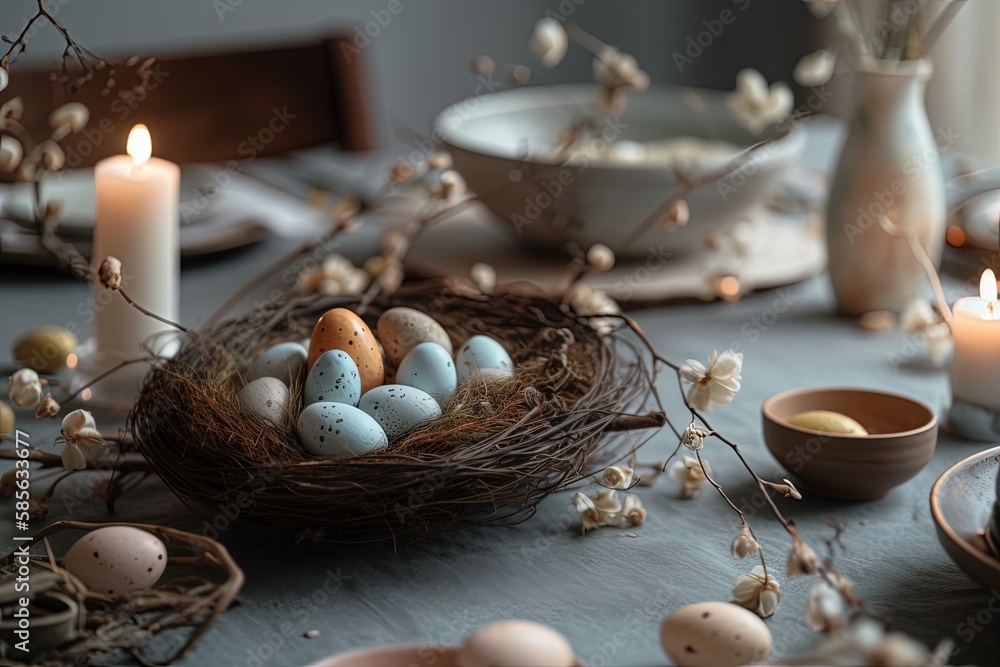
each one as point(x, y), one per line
point(601, 257)
point(549, 41)
point(48, 408)
point(825, 610)
point(484, 276)
point(11, 153)
point(110, 273)
point(24, 388)
point(744, 544)
point(68, 119)
point(815, 69)
point(618, 477)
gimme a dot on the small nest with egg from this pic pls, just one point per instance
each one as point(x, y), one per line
point(496, 451)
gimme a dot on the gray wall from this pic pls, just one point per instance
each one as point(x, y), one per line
point(419, 60)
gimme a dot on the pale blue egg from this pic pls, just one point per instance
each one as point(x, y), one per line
point(337, 429)
point(398, 407)
point(285, 361)
point(333, 379)
point(429, 367)
point(481, 353)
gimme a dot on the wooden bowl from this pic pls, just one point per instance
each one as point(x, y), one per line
point(902, 435)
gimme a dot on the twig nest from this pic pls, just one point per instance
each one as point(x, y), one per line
point(482, 353)
point(401, 329)
point(333, 378)
point(429, 367)
point(714, 634)
point(515, 644)
point(268, 397)
point(341, 329)
point(285, 361)
point(339, 430)
point(399, 408)
point(44, 349)
point(117, 559)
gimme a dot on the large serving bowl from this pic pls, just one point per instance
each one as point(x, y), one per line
point(901, 441)
point(499, 143)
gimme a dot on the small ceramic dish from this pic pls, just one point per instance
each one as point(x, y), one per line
point(961, 502)
point(902, 436)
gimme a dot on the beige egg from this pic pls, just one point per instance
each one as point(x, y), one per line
point(515, 644)
point(44, 349)
point(117, 559)
point(827, 421)
point(341, 329)
point(402, 329)
point(266, 396)
point(6, 418)
point(715, 634)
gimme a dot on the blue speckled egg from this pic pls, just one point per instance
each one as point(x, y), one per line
point(285, 361)
point(482, 352)
point(333, 379)
point(398, 408)
point(337, 429)
point(429, 367)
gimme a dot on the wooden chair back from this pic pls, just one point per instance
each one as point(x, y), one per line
point(218, 107)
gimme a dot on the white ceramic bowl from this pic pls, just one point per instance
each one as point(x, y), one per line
point(549, 203)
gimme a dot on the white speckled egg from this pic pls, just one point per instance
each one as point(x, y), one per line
point(429, 367)
point(515, 644)
point(488, 375)
point(398, 408)
point(266, 396)
point(719, 634)
point(338, 429)
point(285, 361)
point(333, 379)
point(117, 559)
point(481, 352)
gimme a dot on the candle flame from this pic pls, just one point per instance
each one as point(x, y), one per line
point(140, 145)
point(988, 286)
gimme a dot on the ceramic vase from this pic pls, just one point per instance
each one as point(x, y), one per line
point(889, 166)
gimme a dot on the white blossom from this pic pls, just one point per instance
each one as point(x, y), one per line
point(754, 105)
point(744, 544)
point(917, 316)
point(439, 160)
point(445, 184)
point(592, 303)
point(11, 153)
point(549, 41)
point(614, 69)
point(815, 69)
point(336, 276)
point(110, 273)
point(68, 119)
point(677, 214)
point(689, 475)
point(714, 385)
point(597, 510)
point(632, 512)
point(693, 437)
point(24, 388)
point(4, 78)
point(825, 609)
point(618, 477)
point(757, 592)
point(821, 8)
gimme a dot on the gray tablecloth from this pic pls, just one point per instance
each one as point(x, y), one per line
point(607, 591)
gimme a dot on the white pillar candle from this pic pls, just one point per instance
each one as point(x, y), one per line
point(137, 222)
point(975, 373)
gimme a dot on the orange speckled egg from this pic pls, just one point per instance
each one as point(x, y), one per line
point(341, 329)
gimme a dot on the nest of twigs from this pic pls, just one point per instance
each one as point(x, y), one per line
point(497, 450)
point(149, 626)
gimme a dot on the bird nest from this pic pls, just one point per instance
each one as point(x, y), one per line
point(497, 450)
